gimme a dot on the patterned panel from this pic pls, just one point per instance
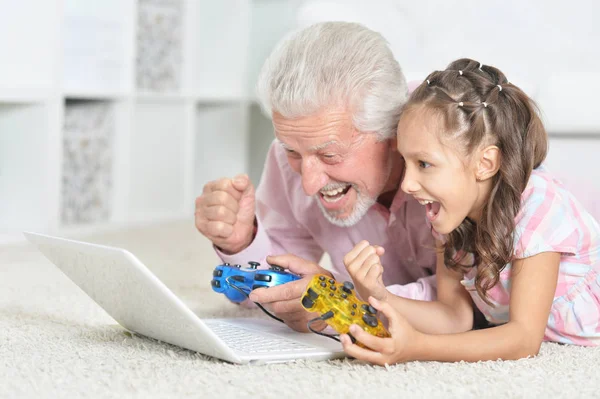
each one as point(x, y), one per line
point(159, 48)
point(87, 162)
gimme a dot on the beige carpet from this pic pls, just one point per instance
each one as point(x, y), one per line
point(56, 342)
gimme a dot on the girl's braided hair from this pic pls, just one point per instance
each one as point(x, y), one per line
point(478, 106)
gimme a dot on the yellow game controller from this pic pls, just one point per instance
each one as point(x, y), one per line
point(340, 308)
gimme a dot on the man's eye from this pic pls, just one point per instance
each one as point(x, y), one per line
point(291, 152)
point(424, 165)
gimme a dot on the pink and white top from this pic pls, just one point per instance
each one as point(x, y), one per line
point(291, 222)
point(552, 220)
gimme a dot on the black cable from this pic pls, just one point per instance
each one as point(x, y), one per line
point(257, 304)
point(325, 316)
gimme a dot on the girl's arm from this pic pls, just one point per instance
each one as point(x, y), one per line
point(452, 312)
point(533, 284)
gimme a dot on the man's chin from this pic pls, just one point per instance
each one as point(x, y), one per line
point(346, 218)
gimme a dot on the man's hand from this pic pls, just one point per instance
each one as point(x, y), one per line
point(364, 266)
point(285, 300)
point(225, 213)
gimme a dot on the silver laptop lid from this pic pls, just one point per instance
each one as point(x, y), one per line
point(130, 293)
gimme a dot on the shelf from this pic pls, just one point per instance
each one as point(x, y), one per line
point(96, 95)
point(219, 66)
point(159, 41)
point(221, 143)
point(25, 171)
point(158, 158)
point(24, 95)
point(28, 42)
point(271, 20)
point(163, 97)
point(88, 162)
point(98, 40)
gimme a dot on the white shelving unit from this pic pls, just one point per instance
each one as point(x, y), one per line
point(118, 111)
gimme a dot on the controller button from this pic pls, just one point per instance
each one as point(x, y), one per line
point(238, 266)
point(369, 308)
point(307, 302)
point(344, 295)
point(331, 281)
point(226, 264)
point(217, 273)
point(312, 294)
point(238, 278)
point(370, 320)
point(331, 294)
point(255, 286)
point(348, 287)
point(254, 265)
point(215, 283)
point(333, 288)
point(321, 278)
point(262, 277)
point(323, 284)
point(354, 305)
point(353, 313)
point(277, 268)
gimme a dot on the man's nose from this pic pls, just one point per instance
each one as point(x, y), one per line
point(313, 177)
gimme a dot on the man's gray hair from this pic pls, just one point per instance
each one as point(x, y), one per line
point(335, 64)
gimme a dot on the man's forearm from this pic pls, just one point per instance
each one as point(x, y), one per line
point(433, 317)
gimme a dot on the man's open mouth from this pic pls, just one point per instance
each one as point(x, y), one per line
point(336, 194)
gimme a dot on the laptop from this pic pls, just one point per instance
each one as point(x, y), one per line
point(131, 294)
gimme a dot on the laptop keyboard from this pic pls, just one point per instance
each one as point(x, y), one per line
point(253, 341)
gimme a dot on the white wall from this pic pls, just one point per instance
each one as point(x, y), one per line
point(548, 48)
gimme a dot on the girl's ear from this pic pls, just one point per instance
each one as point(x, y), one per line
point(488, 163)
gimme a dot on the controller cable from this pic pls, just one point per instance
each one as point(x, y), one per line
point(257, 304)
point(324, 316)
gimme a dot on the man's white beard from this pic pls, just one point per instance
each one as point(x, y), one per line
point(361, 208)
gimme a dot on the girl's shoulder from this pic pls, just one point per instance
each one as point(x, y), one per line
point(550, 218)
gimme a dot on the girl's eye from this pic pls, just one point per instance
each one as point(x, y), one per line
point(424, 165)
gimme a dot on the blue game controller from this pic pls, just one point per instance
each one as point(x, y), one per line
point(236, 283)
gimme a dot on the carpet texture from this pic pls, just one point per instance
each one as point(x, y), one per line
point(56, 342)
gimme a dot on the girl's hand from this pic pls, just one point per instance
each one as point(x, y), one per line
point(364, 266)
point(399, 348)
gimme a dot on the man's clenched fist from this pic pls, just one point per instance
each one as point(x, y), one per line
point(225, 213)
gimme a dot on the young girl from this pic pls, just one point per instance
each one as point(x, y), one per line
point(511, 239)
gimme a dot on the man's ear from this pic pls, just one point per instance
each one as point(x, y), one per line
point(488, 163)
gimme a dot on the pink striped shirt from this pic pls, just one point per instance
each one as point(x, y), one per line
point(291, 222)
point(552, 220)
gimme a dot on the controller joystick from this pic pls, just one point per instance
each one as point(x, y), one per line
point(337, 300)
point(236, 282)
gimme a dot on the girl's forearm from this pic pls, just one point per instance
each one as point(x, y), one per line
point(434, 317)
point(508, 342)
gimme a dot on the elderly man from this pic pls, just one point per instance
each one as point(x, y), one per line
point(332, 176)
